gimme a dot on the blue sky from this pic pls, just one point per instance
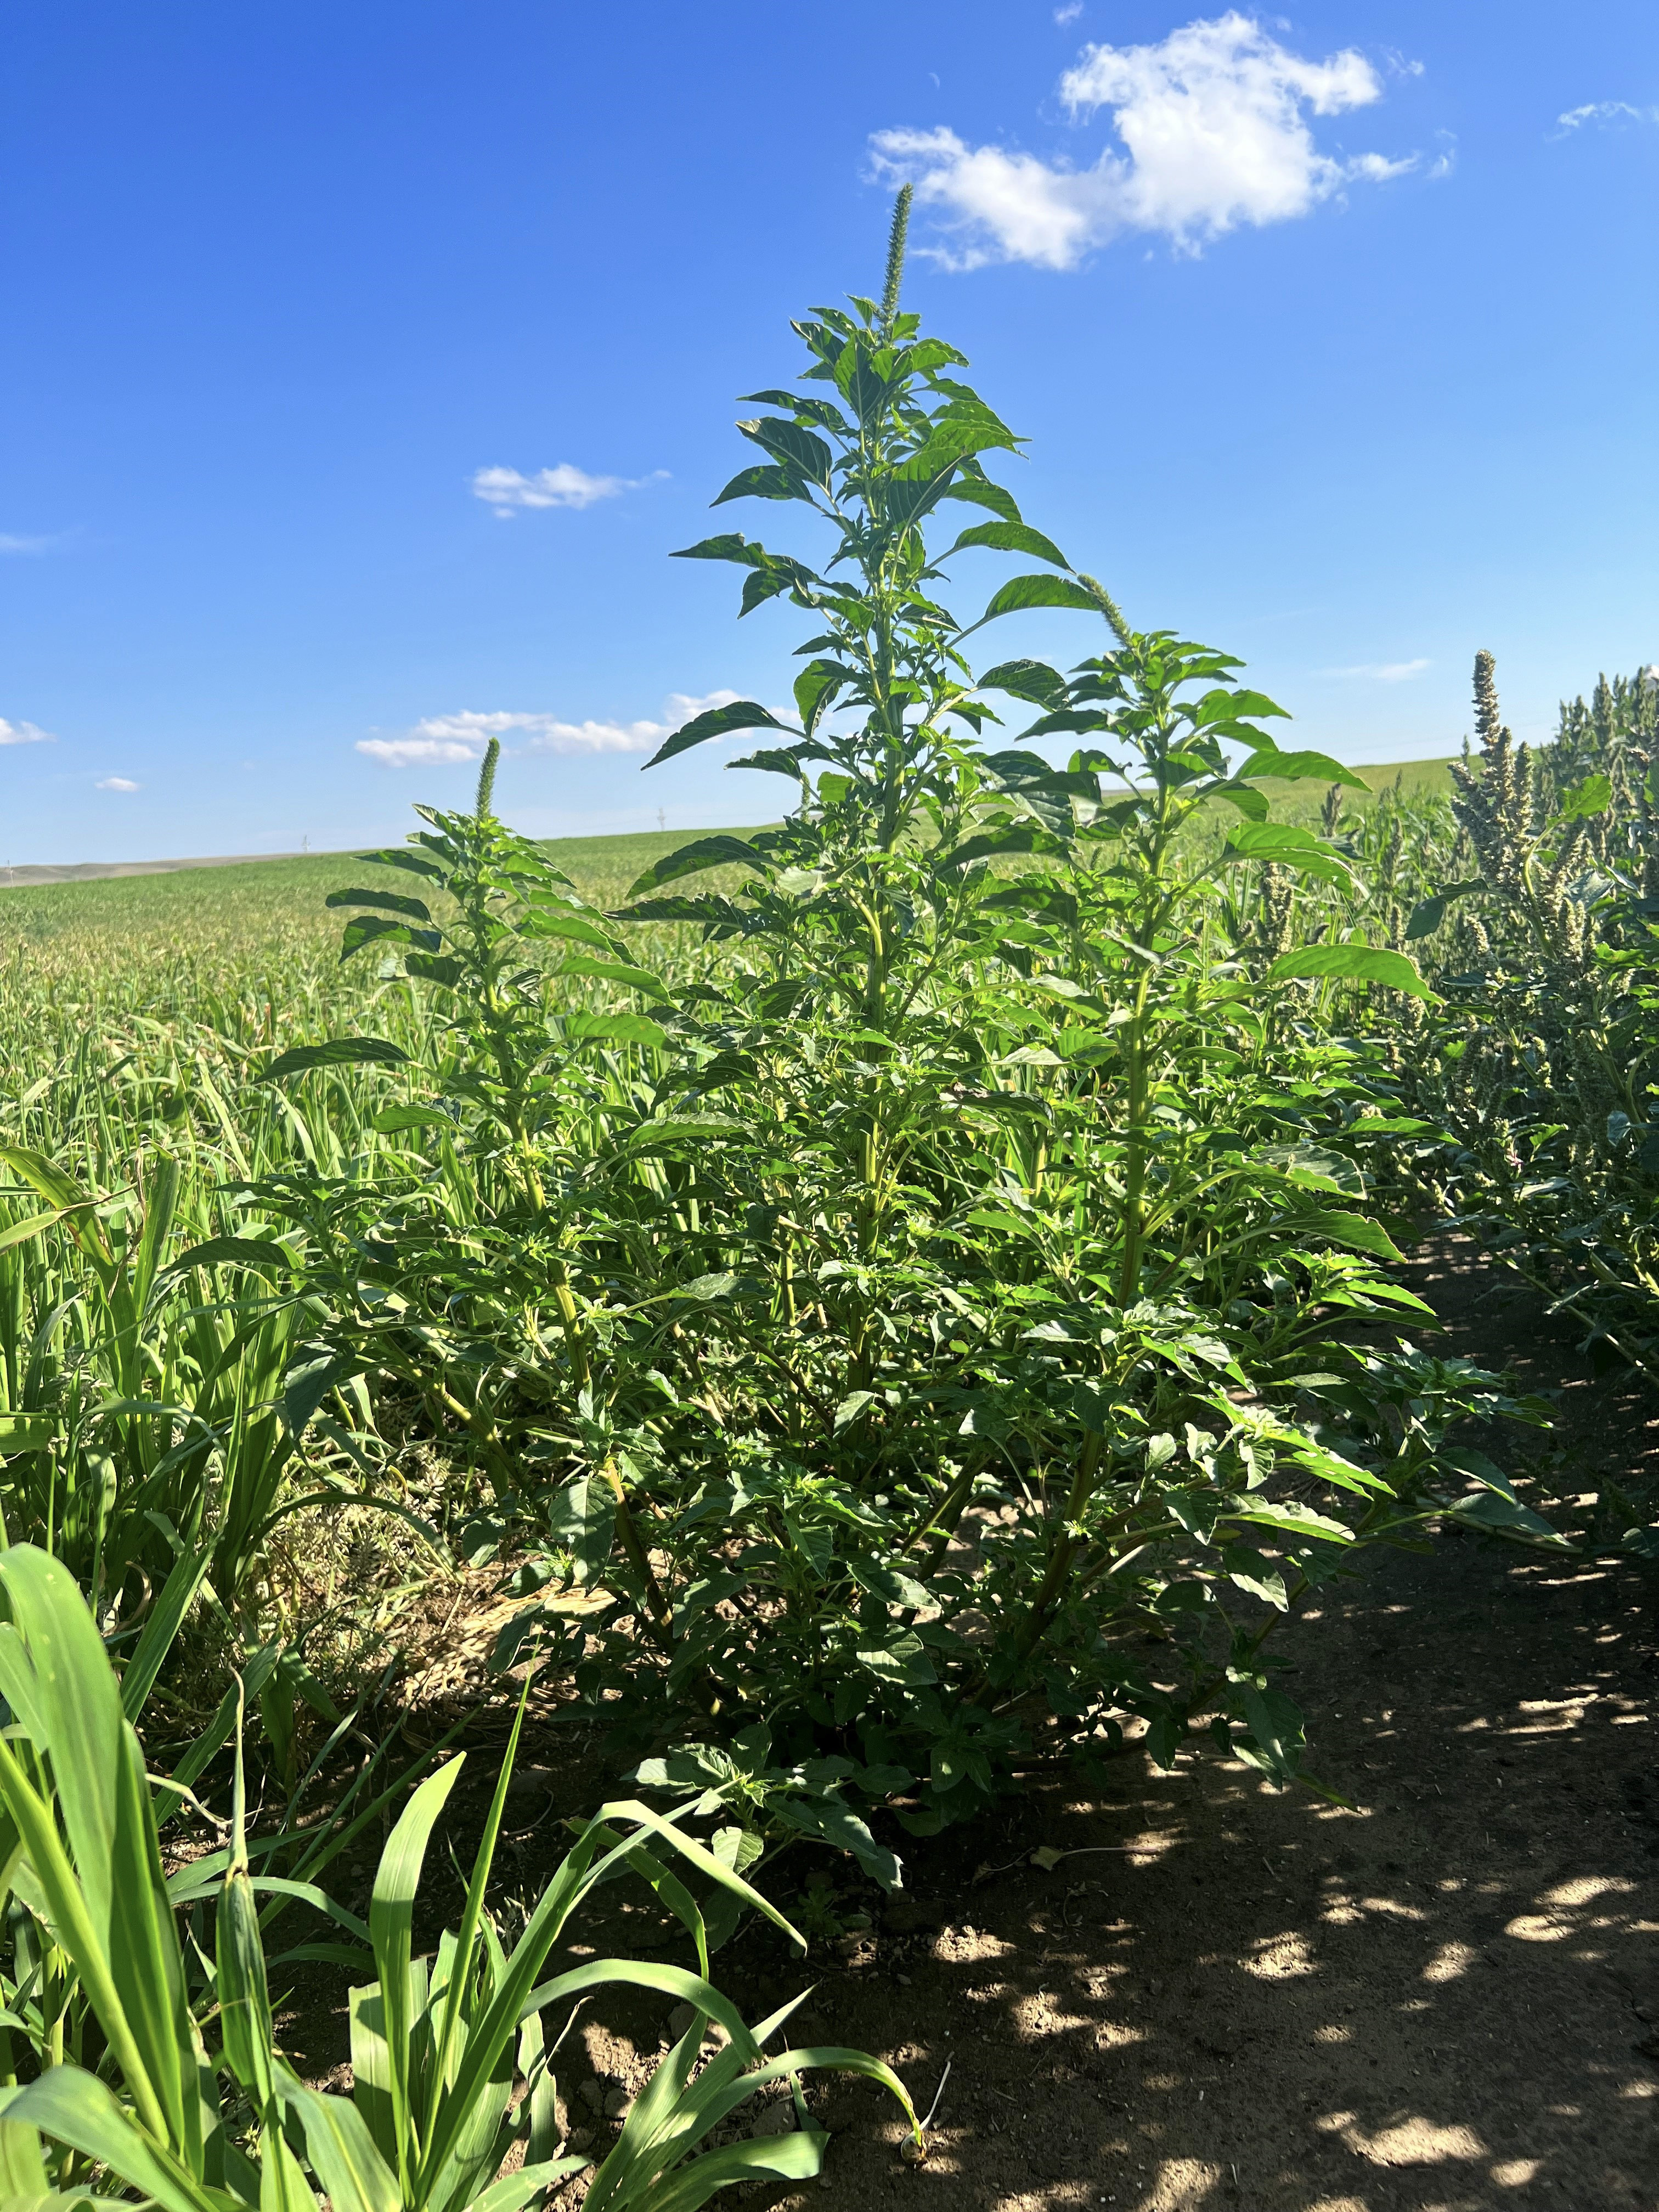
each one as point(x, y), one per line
point(1334, 342)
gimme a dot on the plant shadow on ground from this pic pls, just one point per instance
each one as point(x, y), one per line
point(1444, 2000)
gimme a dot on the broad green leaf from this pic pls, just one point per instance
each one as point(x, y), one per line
point(980, 491)
point(616, 971)
point(1314, 1166)
point(1249, 802)
point(336, 1051)
point(1283, 845)
point(1030, 680)
point(713, 912)
point(381, 929)
point(766, 481)
point(391, 1119)
point(1286, 1514)
point(832, 1822)
point(1297, 767)
point(718, 722)
point(779, 760)
point(1353, 1231)
point(1022, 592)
point(815, 688)
point(1018, 837)
point(730, 545)
point(1593, 796)
point(1481, 1469)
point(794, 445)
point(1256, 1576)
point(691, 860)
point(949, 445)
point(397, 856)
point(1358, 963)
point(562, 921)
point(442, 969)
point(1497, 1516)
point(1428, 914)
point(615, 1029)
point(386, 902)
point(682, 1129)
point(903, 1660)
point(1276, 1727)
point(1010, 538)
point(580, 1520)
point(262, 1254)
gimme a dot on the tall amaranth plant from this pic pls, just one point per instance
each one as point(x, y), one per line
point(946, 1292)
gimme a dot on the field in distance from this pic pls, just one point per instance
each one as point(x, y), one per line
point(589, 861)
point(1430, 776)
point(176, 941)
point(601, 867)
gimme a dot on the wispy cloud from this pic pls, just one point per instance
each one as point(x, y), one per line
point(1603, 114)
point(118, 783)
point(1069, 13)
point(507, 490)
point(23, 733)
point(445, 739)
point(46, 541)
point(1380, 671)
point(1213, 126)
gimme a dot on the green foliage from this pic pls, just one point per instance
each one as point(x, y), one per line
point(891, 1290)
point(885, 1334)
point(195, 2108)
point(1542, 1061)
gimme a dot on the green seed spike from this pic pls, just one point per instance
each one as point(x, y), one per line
point(1109, 606)
point(481, 805)
point(896, 237)
point(1488, 720)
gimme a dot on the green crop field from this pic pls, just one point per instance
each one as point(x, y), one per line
point(1425, 775)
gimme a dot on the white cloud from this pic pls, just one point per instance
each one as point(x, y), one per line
point(116, 783)
point(1602, 112)
point(10, 543)
point(443, 739)
point(23, 733)
point(1382, 671)
point(506, 490)
point(416, 752)
point(1069, 13)
point(1214, 125)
